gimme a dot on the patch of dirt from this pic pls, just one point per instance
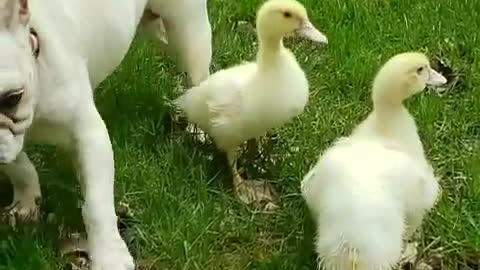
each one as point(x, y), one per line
point(453, 76)
point(73, 247)
point(413, 262)
point(472, 260)
point(74, 250)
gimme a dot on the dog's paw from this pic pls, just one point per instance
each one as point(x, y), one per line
point(22, 211)
point(111, 255)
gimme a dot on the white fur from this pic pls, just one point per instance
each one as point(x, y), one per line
point(82, 42)
point(185, 26)
point(370, 191)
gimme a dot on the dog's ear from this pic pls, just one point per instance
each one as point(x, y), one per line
point(14, 13)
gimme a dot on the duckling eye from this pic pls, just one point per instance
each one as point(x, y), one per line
point(420, 70)
point(287, 14)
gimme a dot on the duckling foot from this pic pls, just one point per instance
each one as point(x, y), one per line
point(409, 256)
point(255, 191)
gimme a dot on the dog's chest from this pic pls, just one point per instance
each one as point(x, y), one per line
point(50, 122)
point(44, 132)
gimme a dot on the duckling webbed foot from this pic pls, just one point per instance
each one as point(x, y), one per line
point(254, 191)
point(409, 256)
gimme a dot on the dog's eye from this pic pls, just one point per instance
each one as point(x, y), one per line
point(287, 14)
point(10, 100)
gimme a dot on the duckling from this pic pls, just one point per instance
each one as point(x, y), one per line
point(370, 191)
point(245, 101)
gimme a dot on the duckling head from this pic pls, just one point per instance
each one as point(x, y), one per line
point(279, 18)
point(403, 76)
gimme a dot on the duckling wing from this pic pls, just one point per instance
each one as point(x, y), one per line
point(412, 183)
point(358, 222)
point(215, 105)
point(364, 194)
point(225, 107)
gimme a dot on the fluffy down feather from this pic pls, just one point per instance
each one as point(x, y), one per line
point(362, 202)
point(370, 191)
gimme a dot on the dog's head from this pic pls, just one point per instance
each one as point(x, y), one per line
point(18, 46)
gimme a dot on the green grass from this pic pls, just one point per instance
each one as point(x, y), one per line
point(188, 216)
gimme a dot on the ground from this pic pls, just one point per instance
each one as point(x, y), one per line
point(179, 190)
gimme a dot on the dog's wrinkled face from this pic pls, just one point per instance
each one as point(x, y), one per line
point(17, 78)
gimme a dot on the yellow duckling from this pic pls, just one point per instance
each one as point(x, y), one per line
point(370, 191)
point(245, 101)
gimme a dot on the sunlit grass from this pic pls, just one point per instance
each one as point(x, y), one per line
point(180, 190)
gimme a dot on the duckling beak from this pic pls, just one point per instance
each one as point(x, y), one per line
point(307, 30)
point(435, 78)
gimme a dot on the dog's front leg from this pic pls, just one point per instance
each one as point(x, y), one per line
point(96, 169)
point(26, 189)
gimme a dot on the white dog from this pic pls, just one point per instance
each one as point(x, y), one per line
point(53, 54)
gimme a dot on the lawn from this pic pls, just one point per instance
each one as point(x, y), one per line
point(179, 189)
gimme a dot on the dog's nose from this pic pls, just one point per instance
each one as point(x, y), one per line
point(3, 160)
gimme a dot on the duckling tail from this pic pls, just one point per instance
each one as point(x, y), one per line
point(193, 104)
point(354, 244)
point(180, 102)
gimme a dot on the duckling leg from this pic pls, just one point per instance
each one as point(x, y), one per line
point(414, 221)
point(248, 191)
